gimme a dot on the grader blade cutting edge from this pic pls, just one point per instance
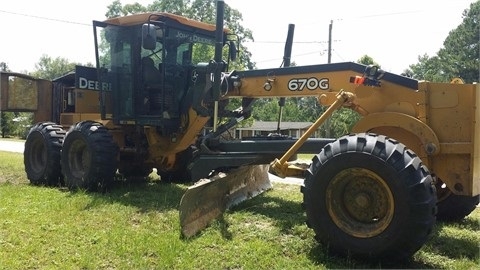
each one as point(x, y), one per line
point(209, 198)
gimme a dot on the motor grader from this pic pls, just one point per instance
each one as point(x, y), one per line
point(148, 104)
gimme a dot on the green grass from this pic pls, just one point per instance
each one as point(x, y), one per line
point(11, 168)
point(136, 226)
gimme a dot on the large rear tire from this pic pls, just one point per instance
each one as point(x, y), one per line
point(41, 156)
point(89, 157)
point(368, 196)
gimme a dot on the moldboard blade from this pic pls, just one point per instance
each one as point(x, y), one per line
point(209, 198)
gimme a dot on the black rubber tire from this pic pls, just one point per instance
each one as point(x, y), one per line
point(89, 157)
point(41, 156)
point(368, 196)
point(453, 207)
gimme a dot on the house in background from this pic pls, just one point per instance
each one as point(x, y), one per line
point(263, 128)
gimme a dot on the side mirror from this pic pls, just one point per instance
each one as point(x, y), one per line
point(149, 36)
point(232, 50)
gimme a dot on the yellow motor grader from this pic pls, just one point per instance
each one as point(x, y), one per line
point(149, 104)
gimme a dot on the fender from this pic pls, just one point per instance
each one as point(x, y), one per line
point(422, 131)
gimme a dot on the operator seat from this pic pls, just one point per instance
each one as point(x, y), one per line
point(152, 86)
point(151, 75)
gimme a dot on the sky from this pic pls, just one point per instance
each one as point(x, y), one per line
point(393, 33)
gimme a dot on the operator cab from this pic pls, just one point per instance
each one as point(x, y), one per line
point(148, 61)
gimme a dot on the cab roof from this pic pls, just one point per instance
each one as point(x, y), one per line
point(142, 18)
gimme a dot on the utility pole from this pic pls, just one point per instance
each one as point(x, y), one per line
point(330, 42)
point(327, 122)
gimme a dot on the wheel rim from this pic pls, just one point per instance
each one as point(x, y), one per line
point(38, 156)
point(360, 202)
point(79, 158)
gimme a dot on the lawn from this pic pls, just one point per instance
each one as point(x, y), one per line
point(135, 226)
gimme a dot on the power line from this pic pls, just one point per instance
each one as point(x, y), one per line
point(43, 18)
point(283, 42)
point(366, 16)
point(322, 52)
point(341, 57)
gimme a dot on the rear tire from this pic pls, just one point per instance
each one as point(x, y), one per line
point(89, 157)
point(368, 196)
point(41, 156)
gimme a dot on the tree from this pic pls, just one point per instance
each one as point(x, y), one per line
point(115, 9)
point(200, 10)
point(427, 68)
point(3, 66)
point(367, 60)
point(267, 109)
point(342, 120)
point(48, 68)
point(4, 116)
point(7, 123)
point(459, 56)
point(407, 73)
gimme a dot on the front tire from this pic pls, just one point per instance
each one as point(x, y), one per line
point(41, 156)
point(89, 157)
point(368, 196)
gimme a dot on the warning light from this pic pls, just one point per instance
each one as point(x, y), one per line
point(357, 80)
point(371, 76)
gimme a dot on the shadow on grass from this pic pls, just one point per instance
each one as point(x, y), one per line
point(453, 245)
point(322, 255)
point(286, 214)
point(447, 245)
point(157, 196)
point(145, 195)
